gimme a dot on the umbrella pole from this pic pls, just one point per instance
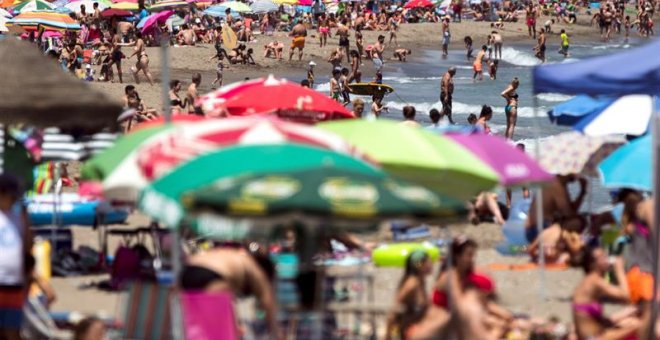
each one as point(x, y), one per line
point(656, 215)
point(539, 202)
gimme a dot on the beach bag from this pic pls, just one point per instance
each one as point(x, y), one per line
point(125, 267)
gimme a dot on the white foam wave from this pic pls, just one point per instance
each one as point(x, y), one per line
point(408, 80)
point(553, 97)
point(463, 109)
point(323, 87)
point(519, 58)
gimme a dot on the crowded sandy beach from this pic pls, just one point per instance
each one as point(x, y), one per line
point(305, 169)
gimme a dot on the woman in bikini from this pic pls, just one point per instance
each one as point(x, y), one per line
point(142, 63)
point(590, 321)
point(175, 101)
point(412, 301)
point(511, 108)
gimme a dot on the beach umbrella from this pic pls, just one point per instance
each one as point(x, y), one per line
point(286, 99)
point(574, 153)
point(32, 5)
point(177, 146)
point(162, 198)
point(418, 4)
point(629, 166)
point(7, 3)
point(167, 5)
point(285, 2)
point(4, 13)
point(3, 24)
point(49, 20)
point(129, 6)
point(418, 156)
point(155, 20)
point(306, 3)
point(115, 12)
point(74, 6)
point(48, 96)
point(513, 165)
point(599, 116)
point(219, 12)
point(234, 6)
point(263, 6)
point(326, 191)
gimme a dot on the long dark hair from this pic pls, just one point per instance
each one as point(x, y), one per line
point(414, 263)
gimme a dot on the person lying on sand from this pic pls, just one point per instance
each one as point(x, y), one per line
point(485, 207)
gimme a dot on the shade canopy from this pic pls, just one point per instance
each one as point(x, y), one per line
point(629, 166)
point(636, 71)
point(42, 94)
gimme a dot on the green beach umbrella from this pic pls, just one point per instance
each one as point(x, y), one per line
point(117, 168)
point(31, 6)
point(418, 156)
point(328, 193)
point(161, 199)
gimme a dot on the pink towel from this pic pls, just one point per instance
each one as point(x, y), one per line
point(208, 316)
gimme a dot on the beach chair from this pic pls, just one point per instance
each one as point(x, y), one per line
point(148, 312)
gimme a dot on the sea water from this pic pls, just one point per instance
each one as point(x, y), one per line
point(417, 83)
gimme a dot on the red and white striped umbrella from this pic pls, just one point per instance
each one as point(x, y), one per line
point(288, 100)
point(191, 140)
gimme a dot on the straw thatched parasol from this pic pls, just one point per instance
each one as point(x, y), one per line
point(36, 91)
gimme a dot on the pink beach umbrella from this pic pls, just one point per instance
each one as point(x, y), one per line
point(513, 165)
point(156, 19)
point(305, 2)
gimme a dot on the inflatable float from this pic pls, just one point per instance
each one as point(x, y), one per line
point(73, 210)
point(395, 254)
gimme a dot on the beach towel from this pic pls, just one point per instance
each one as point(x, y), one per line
point(525, 266)
point(208, 316)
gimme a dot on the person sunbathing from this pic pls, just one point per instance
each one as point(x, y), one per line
point(593, 290)
point(560, 245)
point(486, 207)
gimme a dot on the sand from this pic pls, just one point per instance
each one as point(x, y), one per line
point(520, 291)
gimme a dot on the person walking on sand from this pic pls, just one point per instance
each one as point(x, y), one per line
point(446, 36)
point(478, 64)
point(344, 43)
point(511, 108)
point(115, 53)
point(446, 92)
point(564, 43)
point(298, 34)
point(142, 64)
point(530, 16)
point(540, 46)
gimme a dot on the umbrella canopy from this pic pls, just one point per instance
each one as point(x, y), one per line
point(167, 5)
point(513, 165)
point(325, 192)
point(49, 20)
point(602, 116)
point(129, 6)
point(115, 12)
point(263, 6)
point(219, 12)
point(305, 3)
point(288, 100)
point(418, 4)
point(3, 24)
point(174, 21)
point(629, 166)
point(74, 6)
point(574, 153)
point(32, 5)
point(155, 20)
point(189, 141)
point(161, 199)
point(285, 2)
point(48, 96)
point(117, 168)
point(234, 6)
point(418, 156)
point(4, 13)
point(612, 74)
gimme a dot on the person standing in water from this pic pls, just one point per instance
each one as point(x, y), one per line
point(446, 92)
point(478, 64)
point(564, 43)
point(540, 46)
point(497, 44)
point(511, 108)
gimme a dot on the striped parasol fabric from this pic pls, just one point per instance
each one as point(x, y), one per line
point(33, 5)
point(165, 5)
point(127, 5)
point(263, 6)
point(49, 20)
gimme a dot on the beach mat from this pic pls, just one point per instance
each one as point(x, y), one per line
point(524, 266)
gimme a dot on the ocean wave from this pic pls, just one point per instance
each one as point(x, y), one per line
point(407, 80)
point(459, 108)
point(519, 58)
point(323, 87)
point(553, 97)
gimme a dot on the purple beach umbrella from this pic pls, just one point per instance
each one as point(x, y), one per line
point(513, 165)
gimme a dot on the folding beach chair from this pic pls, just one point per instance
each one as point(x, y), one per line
point(148, 312)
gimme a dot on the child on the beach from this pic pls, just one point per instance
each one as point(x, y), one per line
point(564, 43)
point(626, 25)
point(379, 77)
point(377, 106)
point(472, 119)
point(219, 68)
point(343, 82)
point(335, 85)
point(468, 46)
point(492, 68)
point(310, 74)
point(401, 53)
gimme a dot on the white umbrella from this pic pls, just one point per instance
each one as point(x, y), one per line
point(74, 6)
point(3, 24)
point(264, 6)
point(4, 13)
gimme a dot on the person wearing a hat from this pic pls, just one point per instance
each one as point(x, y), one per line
point(310, 74)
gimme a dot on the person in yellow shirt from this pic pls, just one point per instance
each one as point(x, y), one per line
point(564, 43)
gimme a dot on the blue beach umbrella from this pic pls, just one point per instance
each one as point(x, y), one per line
point(629, 166)
point(263, 6)
point(600, 116)
point(219, 12)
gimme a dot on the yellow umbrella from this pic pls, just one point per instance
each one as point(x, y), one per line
point(286, 2)
point(129, 6)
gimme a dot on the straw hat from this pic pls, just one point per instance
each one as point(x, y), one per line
point(38, 92)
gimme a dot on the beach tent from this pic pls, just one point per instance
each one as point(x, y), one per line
point(635, 71)
point(604, 115)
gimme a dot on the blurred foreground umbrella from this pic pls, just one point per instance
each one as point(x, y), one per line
point(49, 20)
point(33, 5)
point(418, 156)
point(115, 12)
point(42, 94)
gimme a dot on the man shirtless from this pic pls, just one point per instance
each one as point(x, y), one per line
point(446, 92)
point(530, 15)
point(342, 32)
point(274, 48)
point(377, 53)
point(401, 54)
point(125, 30)
point(192, 94)
point(540, 46)
point(186, 36)
point(478, 64)
point(298, 33)
point(557, 204)
point(497, 44)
